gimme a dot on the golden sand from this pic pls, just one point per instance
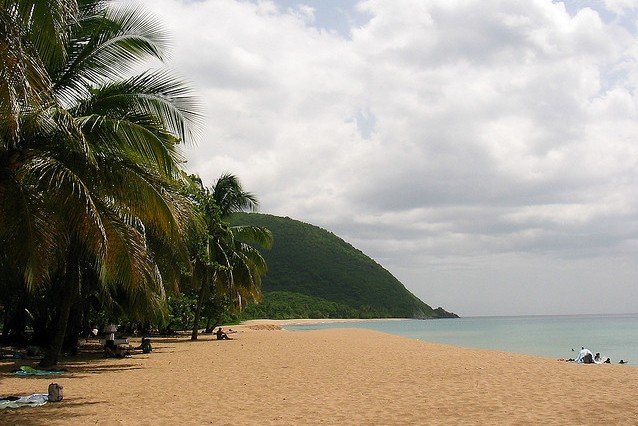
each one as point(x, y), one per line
point(271, 376)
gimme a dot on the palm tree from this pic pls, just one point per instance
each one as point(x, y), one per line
point(89, 162)
point(227, 260)
point(32, 36)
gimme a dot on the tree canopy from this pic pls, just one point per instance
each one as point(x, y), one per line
point(90, 165)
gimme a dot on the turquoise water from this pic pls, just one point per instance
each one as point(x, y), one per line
point(615, 336)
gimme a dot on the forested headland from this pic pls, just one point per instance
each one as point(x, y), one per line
point(313, 273)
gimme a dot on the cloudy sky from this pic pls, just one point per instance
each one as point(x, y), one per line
point(484, 152)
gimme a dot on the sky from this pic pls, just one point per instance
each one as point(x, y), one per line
point(484, 152)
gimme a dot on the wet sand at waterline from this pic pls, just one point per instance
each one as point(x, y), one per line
point(348, 376)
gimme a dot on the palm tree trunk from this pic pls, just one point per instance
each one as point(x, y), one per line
point(209, 321)
point(72, 336)
point(5, 320)
point(41, 326)
point(69, 290)
point(16, 325)
point(203, 292)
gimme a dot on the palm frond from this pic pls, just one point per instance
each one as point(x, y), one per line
point(136, 138)
point(229, 195)
point(171, 261)
point(146, 196)
point(167, 100)
point(252, 257)
point(72, 198)
point(108, 43)
point(125, 263)
point(129, 266)
point(24, 83)
point(46, 25)
point(29, 230)
point(253, 235)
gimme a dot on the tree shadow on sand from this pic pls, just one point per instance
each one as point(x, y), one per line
point(65, 411)
point(174, 340)
point(89, 359)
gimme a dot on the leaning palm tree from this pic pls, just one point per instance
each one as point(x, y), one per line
point(90, 168)
point(32, 35)
point(236, 280)
point(227, 261)
point(132, 126)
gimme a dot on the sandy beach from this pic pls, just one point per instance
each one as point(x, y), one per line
point(350, 376)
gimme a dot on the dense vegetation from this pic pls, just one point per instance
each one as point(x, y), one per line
point(314, 274)
point(99, 223)
point(286, 305)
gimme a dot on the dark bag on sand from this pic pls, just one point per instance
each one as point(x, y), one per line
point(55, 392)
point(146, 345)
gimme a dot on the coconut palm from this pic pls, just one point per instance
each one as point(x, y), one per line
point(227, 261)
point(241, 278)
point(90, 169)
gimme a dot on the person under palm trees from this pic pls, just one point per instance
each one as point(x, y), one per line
point(221, 335)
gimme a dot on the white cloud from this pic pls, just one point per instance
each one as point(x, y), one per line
point(438, 133)
point(305, 13)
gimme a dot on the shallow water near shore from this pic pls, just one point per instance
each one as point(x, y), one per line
point(614, 336)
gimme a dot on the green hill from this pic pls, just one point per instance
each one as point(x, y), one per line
point(312, 273)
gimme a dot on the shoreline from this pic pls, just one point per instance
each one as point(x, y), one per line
point(313, 321)
point(284, 325)
point(332, 376)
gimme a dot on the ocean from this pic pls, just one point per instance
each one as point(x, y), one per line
point(614, 336)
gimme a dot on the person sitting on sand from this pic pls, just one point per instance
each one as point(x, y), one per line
point(598, 359)
point(221, 335)
point(111, 350)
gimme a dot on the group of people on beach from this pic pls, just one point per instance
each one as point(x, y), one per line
point(585, 356)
